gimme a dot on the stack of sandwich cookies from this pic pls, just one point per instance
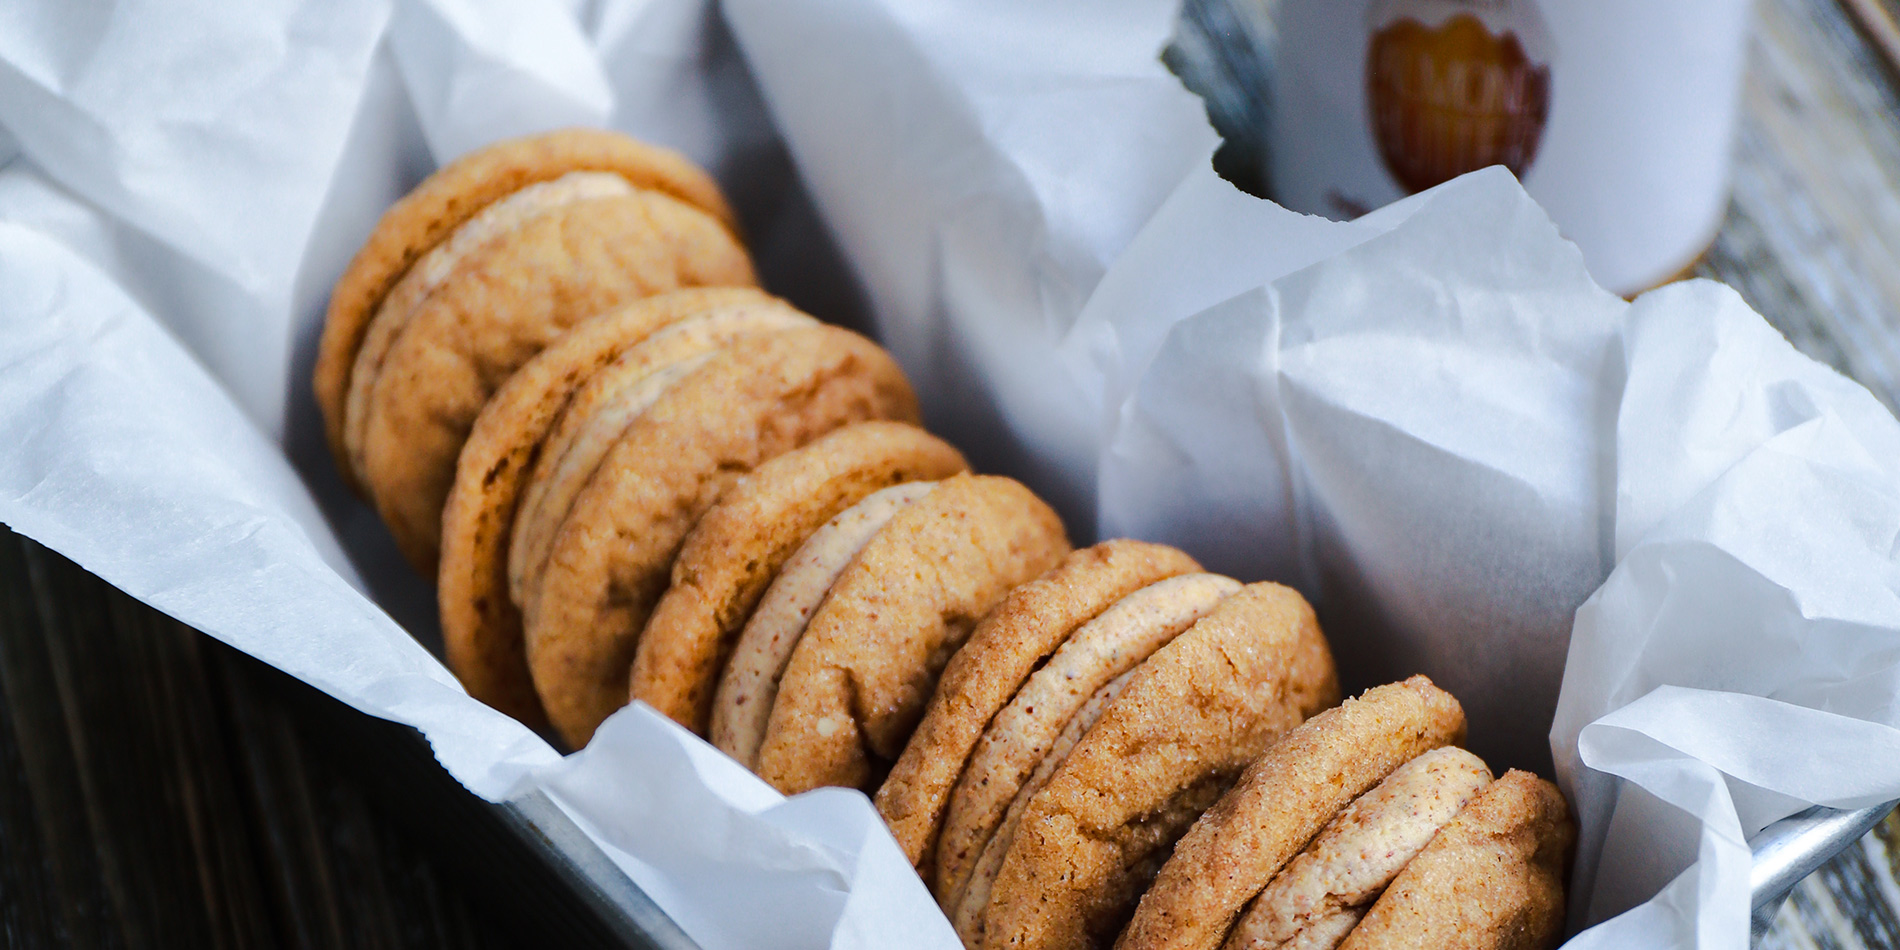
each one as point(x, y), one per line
point(1168, 743)
point(1363, 828)
point(547, 367)
point(1092, 718)
point(475, 271)
point(481, 625)
point(832, 673)
point(610, 558)
point(640, 478)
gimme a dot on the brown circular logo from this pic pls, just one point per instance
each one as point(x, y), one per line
point(1453, 98)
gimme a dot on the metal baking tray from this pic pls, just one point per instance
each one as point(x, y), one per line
point(1792, 848)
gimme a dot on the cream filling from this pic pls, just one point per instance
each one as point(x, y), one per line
point(1327, 932)
point(1020, 735)
point(435, 267)
point(1320, 895)
point(602, 411)
point(975, 898)
point(631, 405)
point(743, 705)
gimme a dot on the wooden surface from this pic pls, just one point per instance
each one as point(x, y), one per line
point(1812, 240)
point(158, 789)
point(1813, 232)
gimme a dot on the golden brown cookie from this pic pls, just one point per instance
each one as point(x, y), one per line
point(1024, 629)
point(737, 548)
point(1492, 879)
point(972, 897)
point(600, 412)
point(503, 303)
point(1022, 733)
point(450, 197)
point(1186, 724)
point(742, 707)
point(859, 678)
point(490, 226)
point(610, 561)
point(481, 629)
point(1280, 803)
point(1320, 895)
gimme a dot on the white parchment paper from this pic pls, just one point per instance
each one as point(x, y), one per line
point(1429, 420)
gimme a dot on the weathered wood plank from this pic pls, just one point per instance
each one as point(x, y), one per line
point(1814, 225)
point(1810, 241)
point(157, 789)
point(1879, 21)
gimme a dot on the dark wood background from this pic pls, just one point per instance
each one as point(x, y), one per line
point(158, 789)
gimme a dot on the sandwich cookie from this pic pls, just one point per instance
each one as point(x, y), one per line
point(446, 200)
point(1169, 742)
point(502, 304)
point(1282, 801)
point(610, 559)
point(860, 673)
point(973, 897)
point(488, 228)
point(1024, 732)
point(739, 546)
point(599, 413)
point(1337, 813)
point(1011, 643)
point(1490, 879)
point(490, 295)
point(743, 704)
point(481, 627)
point(1321, 894)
